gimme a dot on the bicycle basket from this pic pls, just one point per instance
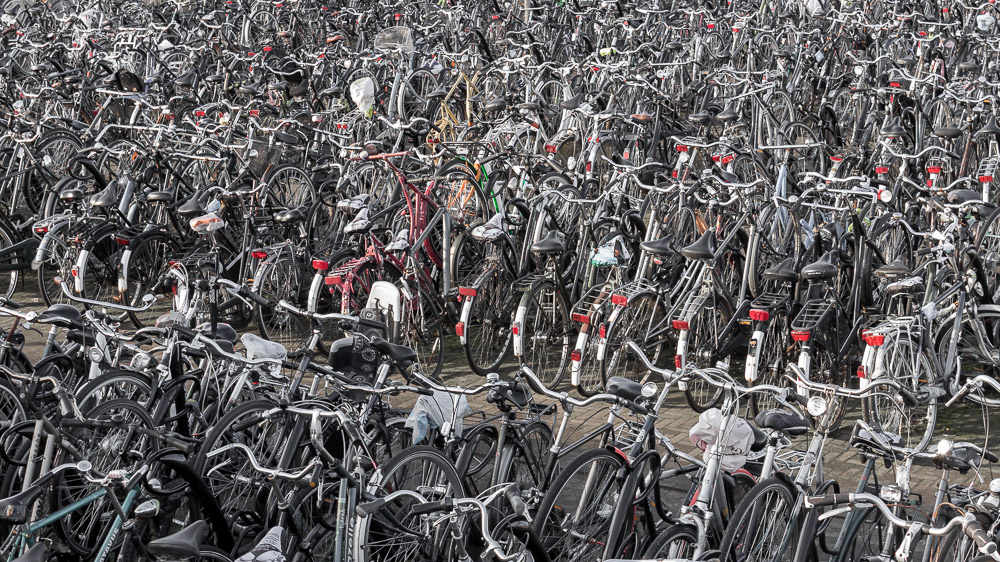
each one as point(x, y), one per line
point(396, 38)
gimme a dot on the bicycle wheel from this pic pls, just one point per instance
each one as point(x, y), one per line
point(382, 536)
point(574, 517)
point(113, 385)
point(761, 524)
point(477, 458)
point(771, 361)
point(107, 449)
point(912, 368)
point(676, 542)
point(146, 263)
point(282, 278)
point(524, 459)
point(487, 330)
point(703, 346)
point(57, 261)
point(422, 329)
point(288, 187)
point(545, 333)
point(8, 281)
point(641, 321)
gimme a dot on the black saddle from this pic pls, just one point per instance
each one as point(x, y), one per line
point(551, 244)
point(62, 315)
point(624, 388)
point(399, 354)
point(183, 544)
point(784, 421)
point(823, 268)
point(702, 249)
point(15, 508)
point(782, 271)
point(662, 247)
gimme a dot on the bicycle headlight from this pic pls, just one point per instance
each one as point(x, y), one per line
point(885, 196)
point(995, 486)
point(95, 354)
point(816, 406)
point(944, 448)
point(140, 361)
point(649, 390)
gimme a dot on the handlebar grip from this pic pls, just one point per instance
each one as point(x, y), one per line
point(184, 331)
point(182, 446)
point(975, 532)
point(990, 456)
point(431, 507)
point(248, 294)
point(831, 499)
point(796, 397)
point(9, 303)
point(908, 398)
point(366, 509)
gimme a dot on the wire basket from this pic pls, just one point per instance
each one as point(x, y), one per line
point(395, 39)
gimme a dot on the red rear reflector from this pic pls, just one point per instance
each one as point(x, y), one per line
point(199, 113)
point(550, 148)
point(620, 300)
point(894, 84)
point(467, 291)
point(881, 170)
point(678, 361)
point(332, 280)
point(602, 331)
point(75, 271)
point(873, 340)
point(682, 148)
point(254, 112)
point(122, 241)
point(515, 328)
point(460, 329)
point(837, 158)
point(862, 372)
point(680, 324)
point(266, 49)
point(42, 229)
point(800, 335)
point(715, 157)
point(933, 169)
point(258, 255)
point(576, 355)
point(581, 318)
point(986, 179)
point(759, 315)
point(589, 165)
point(321, 265)
point(727, 159)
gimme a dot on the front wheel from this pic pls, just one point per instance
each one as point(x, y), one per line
point(677, 542)
point(761, 529)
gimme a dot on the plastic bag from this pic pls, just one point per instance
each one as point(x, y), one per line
point(735, 444)
point(363, 94)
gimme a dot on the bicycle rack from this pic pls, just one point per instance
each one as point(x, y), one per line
point(812, 315)
point(987, 168)
point(587, 309)
point(694, 303)
point(768, 301)
point(524, 283)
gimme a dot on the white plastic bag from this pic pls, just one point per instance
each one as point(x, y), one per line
point(735, 444)
point(363, 94)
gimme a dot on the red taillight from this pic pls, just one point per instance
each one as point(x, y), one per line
point(894, 84)
point(881, 170)
point(514, 329)
point(267, 49)
point(873, 340)
point(759, 315)
point(589, 166)
point(320, 265)
point(933, 169)
point(715, 157)
point(727, 159)
point(122, 241)
point(254, 112)
point(581, 318)
point(199, 113)
point(680, 324)
point(75, 271)
point(42, 229)
point(682, 148)
point(576, 355)
point(550, 148)
point(862, 372)
point(168, 116)
point(678, 361)
point(258, 255)
point(800, 335)
point(837, 158)
point(460, 329)
point(467, 291)
point(986, 179)
point(602, 331)
point(619, 300)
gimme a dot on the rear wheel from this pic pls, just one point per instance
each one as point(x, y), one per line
point(545, 333)
point(642, 321)
point(760, 525)
point(487, 331)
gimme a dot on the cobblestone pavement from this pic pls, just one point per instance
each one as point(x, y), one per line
point(961, 423)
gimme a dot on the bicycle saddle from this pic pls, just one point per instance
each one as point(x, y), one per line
point(15, 508)
point(360, 224)
point(759, 439)
point(908, 286)
point(37, 553)
point(191, 208)
point(572, 103)
point(702, 248)
point(728, 115)
point(107, 197)
point(400, 242)
point(249, 90)
point(948, 132)
point(354, 204)
point(674, 46)
point(224, 333)
point(160, 196)
point(783, 421)
point(495, 105)
point(968, 65)
point(291, 216)
point(893, 129)
point(62, 315)
point(990, 128)
point(185, 543)
point(286, 138)
point(663, 247)
point(215, 78)
point(490, 230)
point(894, 270)
point(333, 92)
point(267, 550)
point(186, 80)
point(437, 94)
point(71, 195)
point(551, 244)
point(885, 444)
point(782, 271)
point(823, 268)
point(399, 354)
point(700, 118)
point(624, 388)
point(517, 395)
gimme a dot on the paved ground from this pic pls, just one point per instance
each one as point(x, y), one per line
point(960, 423)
